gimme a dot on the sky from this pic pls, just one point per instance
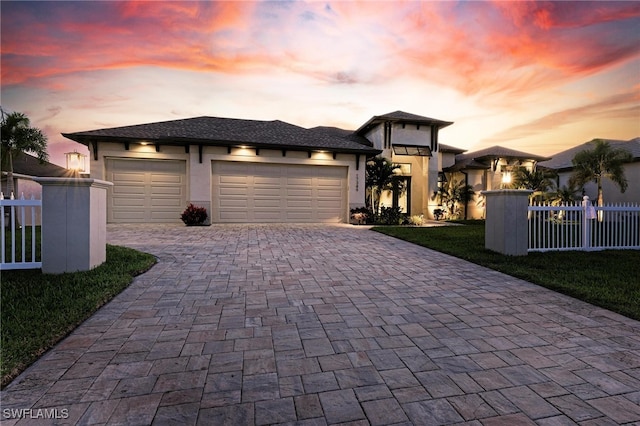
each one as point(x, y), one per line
point(538, 77)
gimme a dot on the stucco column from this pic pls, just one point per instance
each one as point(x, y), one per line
point(506, 229)
point(74, 224)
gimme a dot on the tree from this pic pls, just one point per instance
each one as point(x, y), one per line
point(537, 181)
point(18, 137)
point(380, 176)
point(599, 163)
point(453, 193)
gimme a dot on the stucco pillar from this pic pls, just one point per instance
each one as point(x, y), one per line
point(506, 229)
point(74, 224)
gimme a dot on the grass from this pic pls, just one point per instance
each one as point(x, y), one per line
point(604, 278)
point(37, 310)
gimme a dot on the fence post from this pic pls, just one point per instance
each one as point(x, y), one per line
point(588, 213)
point(74, 224)
point(506, 229)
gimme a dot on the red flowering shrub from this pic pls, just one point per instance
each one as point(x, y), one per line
point(194, 215)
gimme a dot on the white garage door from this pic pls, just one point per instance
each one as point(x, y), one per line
point(146, 190)
point(258, 192)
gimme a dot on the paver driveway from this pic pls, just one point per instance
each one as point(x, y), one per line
point(270, 324)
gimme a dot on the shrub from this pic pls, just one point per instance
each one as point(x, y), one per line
point(415, 220)
point(361, 215)
point(194, 215)
point(391, 216)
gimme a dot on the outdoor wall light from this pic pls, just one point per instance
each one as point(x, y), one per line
point(506, 178)
point(75, 161)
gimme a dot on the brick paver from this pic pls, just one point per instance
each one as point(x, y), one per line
point(316, 325)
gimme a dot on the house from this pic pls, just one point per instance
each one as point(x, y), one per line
point(411, 141)
point(25, 168)
point(487, 169)
point(562, 164)
point(239, 170)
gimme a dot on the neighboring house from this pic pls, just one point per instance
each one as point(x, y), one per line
point(488, 169)
point(25, 168)
point(563, 165)
point(239, 170)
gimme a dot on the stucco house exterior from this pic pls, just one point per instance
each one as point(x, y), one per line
point(260, 171)
point(562, 164)
point(488, 169)
point(240, 170)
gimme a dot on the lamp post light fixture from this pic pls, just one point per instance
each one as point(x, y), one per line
point(75, 161)
point(506, 178)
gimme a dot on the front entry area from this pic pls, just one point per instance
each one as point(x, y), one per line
point(247, 192)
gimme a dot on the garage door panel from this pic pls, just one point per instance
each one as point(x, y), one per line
point(296, 192)
point(279, 192)
point(231, 203)
point(299, 181)
point(146, 190)
point(270, 181)
point(125, 190)
point(259, 203)
point(266, 192)
point(230, 180)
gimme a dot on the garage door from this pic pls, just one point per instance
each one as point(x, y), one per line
point(146, 190)
point(257, 192)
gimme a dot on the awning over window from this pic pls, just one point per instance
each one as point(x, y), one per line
point(418, 150)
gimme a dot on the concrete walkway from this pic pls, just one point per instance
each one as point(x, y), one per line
point(315, 325)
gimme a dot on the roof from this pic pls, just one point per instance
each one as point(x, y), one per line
point(448, 148)
point(563, 160)
point(29, 165)
point(342, 133)
point(402, 117)
point(226, 132)
point(481, 159)
point(499, 152)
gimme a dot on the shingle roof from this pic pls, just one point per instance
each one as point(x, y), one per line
point(563, 160)
point(403, 117)
point(448, 148)
point(499, 152)
point(226, 132)
point(29, 165)
point(342, 133)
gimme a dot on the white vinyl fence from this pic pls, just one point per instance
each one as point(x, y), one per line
point(15, 214)
point(582, 226)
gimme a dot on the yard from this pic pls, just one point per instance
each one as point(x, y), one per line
point(604, 278)
point(37, 310)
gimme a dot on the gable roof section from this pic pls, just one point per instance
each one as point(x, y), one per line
point(481, 159)
point(29, 165)
point(402, 117)
point(500, 152)
point(562, 161)
point(225, 132)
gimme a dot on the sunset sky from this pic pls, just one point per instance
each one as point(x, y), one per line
point(533, 76)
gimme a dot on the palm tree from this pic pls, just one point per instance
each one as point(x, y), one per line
point(537, 181)
point(18, 137)
point(598, 163)
point(380, 177)
point(454, 193)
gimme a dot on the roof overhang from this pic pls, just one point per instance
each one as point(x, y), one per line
point(181, 141)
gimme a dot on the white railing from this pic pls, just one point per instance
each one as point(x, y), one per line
point(14, 217)
point(582, 226)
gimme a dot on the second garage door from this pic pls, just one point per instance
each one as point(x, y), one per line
point(148, 191)
point(259, 192)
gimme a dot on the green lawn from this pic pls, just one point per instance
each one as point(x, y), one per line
point(37, 310)
point(609, 279)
